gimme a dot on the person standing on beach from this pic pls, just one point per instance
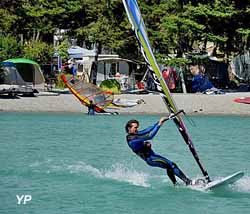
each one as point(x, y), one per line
point(170, 76)
point(138, 141)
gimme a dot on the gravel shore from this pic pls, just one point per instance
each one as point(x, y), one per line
point(199, 104)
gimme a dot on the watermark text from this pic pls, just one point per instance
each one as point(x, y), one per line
point(23, 199)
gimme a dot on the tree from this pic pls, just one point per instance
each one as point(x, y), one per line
point(9, 47)
point(175, 27)
point(38, 51)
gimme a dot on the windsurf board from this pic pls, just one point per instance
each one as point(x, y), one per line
point(223, 181)
point(245, 100)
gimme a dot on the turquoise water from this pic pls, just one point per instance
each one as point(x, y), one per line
point(74, 163)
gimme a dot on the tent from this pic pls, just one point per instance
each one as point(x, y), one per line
point(241, 66)
point(77, 52)
point(29, 70)
point(9, 74)
point(11, 81)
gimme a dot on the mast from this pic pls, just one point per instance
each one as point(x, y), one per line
point(181, 127)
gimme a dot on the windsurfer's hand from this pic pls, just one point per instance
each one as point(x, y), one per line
point(162, 120)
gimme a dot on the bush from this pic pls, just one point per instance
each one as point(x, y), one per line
point(38, 51)
point(9, 47)
point(111, 85)
point(59, 82)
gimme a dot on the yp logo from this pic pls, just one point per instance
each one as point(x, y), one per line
point(23, 199)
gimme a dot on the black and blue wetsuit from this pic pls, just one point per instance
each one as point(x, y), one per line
point(139, 144)
point(91, 109)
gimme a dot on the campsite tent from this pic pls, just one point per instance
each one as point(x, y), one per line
point(9, 74)
point(11, 81)
point(77, 52)
point(30, 71)
point(241, 66)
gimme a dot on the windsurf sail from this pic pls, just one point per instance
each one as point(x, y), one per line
point(86, 92)
point(135, 18)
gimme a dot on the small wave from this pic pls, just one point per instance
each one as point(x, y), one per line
point(83, 167)
point(242, 185)
point(118, 172)
point(122, 173)
point(47, 165)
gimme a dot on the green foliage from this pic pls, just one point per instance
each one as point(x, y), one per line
point(199, 59)
point(245, 33)
point(59, 82)
point(48, 15)
point(38, 51)
point(174, 27)
point(177, 62)
point(62, 50)
point(216, 38)
point(9, 47)
point(111, 85)
point(7, 20)
point(104, 25)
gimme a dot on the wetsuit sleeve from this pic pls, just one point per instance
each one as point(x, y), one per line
point(152, 133)
point(142, 138)
point(147, 130)
point(137, 143)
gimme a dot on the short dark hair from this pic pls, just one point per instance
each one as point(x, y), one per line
point(129, 124)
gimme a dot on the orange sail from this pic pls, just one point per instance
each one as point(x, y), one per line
point(86, 92)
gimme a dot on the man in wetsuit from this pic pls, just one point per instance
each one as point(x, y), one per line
point(138, 142)
point(91, 108)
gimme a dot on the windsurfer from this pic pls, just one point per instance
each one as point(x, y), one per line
point(91, 108)
point(138, 142)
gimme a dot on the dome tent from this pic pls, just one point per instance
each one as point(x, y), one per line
point(11, 82)
point(9, 74)
point(29, 70)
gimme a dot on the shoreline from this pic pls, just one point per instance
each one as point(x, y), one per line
point(193, 104)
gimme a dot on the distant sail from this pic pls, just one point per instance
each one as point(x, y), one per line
point(85, 92)
point(135, 18)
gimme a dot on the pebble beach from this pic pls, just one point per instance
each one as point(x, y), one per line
point(200, 104)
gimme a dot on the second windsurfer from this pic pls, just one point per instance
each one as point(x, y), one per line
point(138, 142)
point(91, 108)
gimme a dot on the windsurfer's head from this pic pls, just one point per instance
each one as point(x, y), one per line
point(132, 126)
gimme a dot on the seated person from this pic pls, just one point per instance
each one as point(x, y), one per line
point(201, 83)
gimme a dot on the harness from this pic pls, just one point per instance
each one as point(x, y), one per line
point(145, 152)
point(143, 155)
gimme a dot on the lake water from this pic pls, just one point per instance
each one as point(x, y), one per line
point(75, 163)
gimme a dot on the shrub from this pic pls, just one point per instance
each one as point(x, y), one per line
point(9, 47)
point(111, 85)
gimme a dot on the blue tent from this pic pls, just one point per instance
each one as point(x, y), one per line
point(77, 52)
